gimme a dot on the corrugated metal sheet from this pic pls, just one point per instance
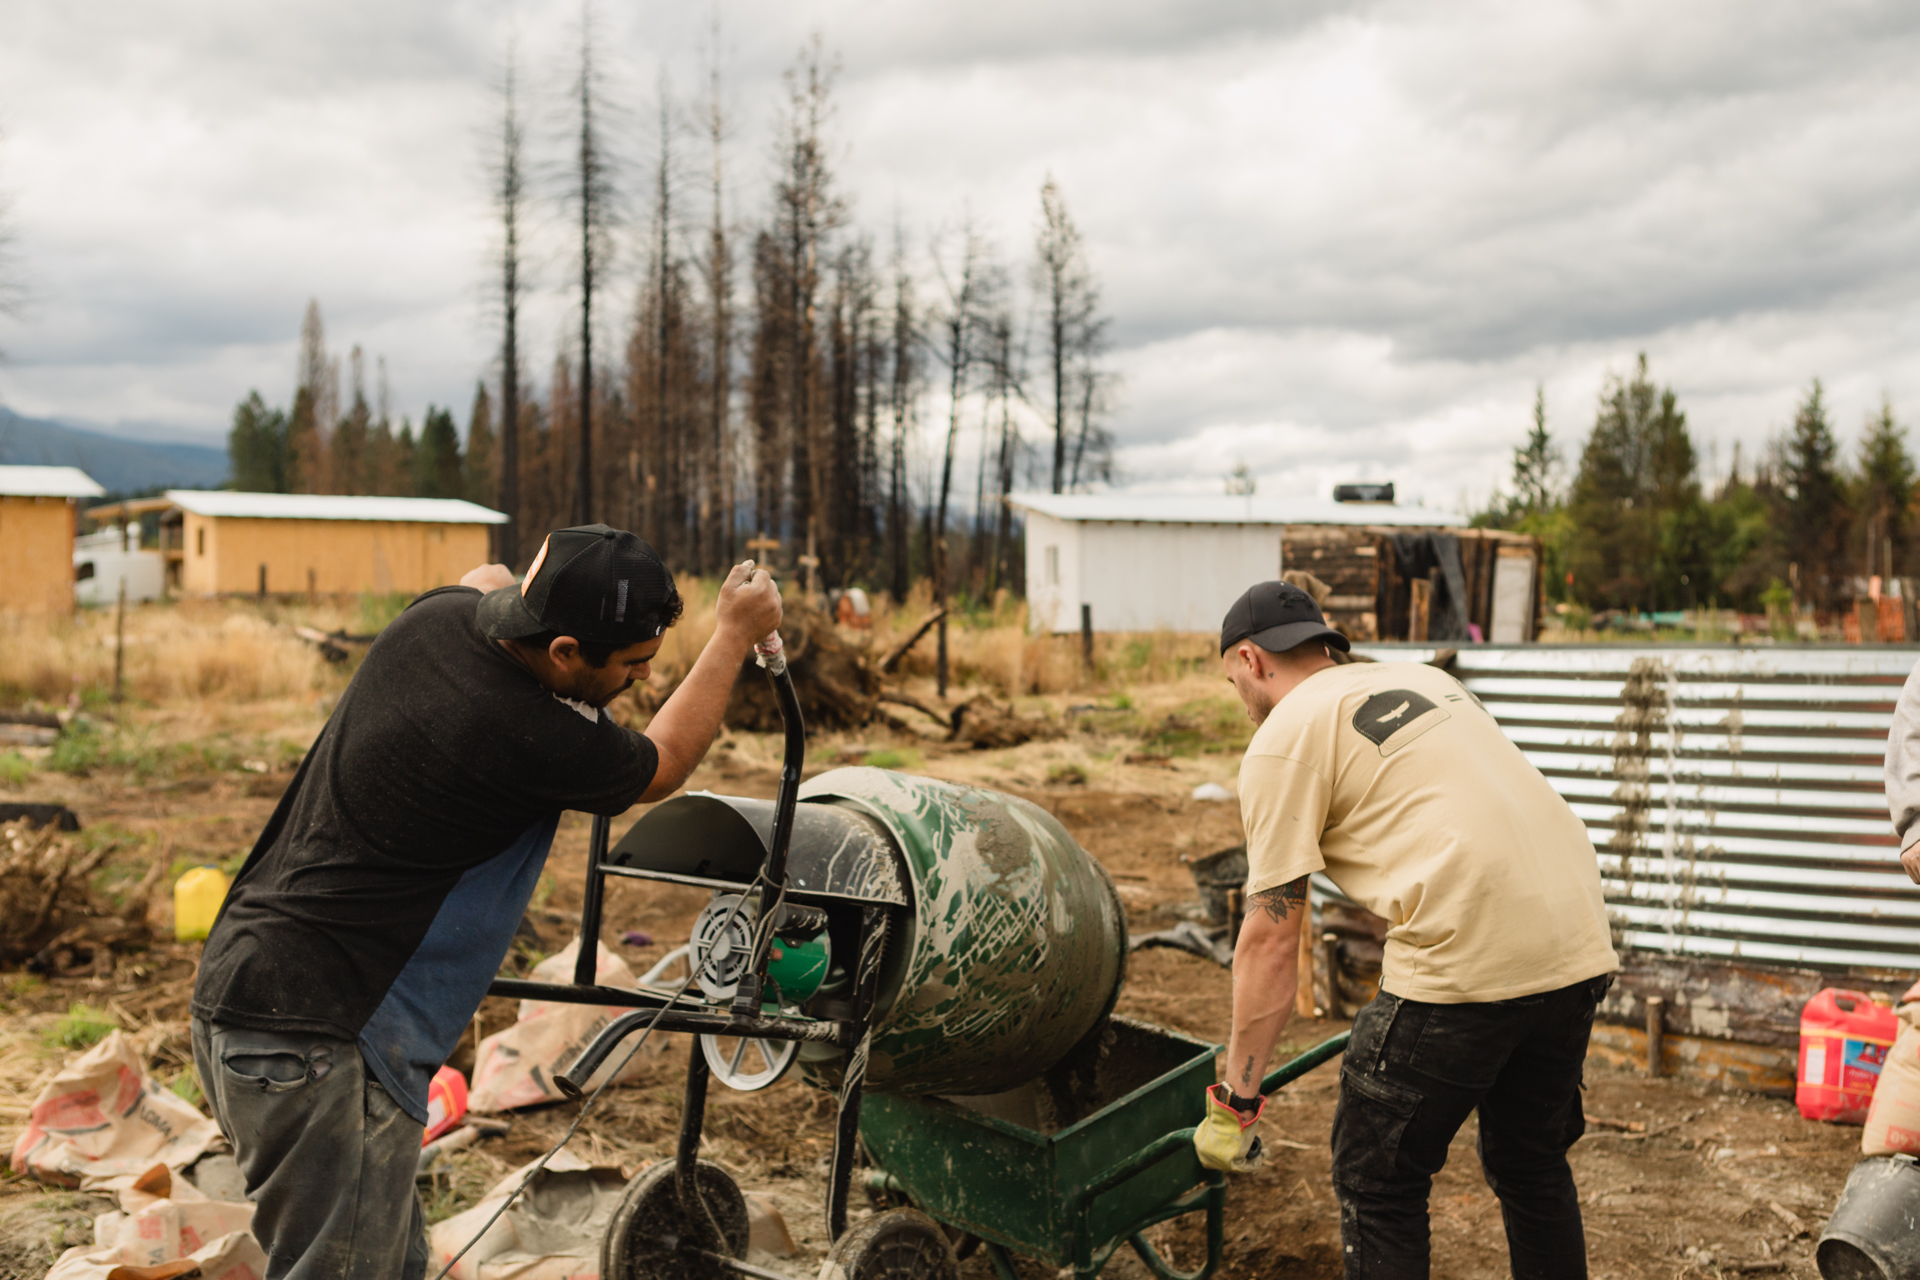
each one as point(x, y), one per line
point(1735, 795)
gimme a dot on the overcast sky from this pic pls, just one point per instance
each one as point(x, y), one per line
point(1337, 241)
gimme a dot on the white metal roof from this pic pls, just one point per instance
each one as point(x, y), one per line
point(47, 482)
point(1154, 508)
point(331, 506)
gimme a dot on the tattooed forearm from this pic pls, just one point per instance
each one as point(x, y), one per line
point(1281, 899)
point(1246, 1072)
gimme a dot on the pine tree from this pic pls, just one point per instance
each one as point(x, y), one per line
point(1815, 508)
point(1883, 495)
point(351, 437)
point(405, 467)
point(1636, 501)
point(257, 447)
point(436, 459)
point(1535, 466)
point(478, 479)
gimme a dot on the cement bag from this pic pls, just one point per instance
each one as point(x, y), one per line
point(552, 1232)
point(233, 1257)
point(1893, 1119)
point(162, 1218)
point(515, 1067)
point(103, 1121)
point(165, 1226)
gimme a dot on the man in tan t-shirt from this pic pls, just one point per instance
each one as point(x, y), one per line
point(1393, 779)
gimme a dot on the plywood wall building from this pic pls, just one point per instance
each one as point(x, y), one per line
point(38, 517)
point(290, 543)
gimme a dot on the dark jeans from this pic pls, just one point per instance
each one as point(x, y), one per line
point(1413, 1073)
point(328, 1156)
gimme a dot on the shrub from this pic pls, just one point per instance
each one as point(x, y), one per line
point(81, 1027)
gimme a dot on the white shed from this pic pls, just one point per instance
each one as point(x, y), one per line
point(1152, 562)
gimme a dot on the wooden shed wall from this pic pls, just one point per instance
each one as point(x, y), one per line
point(223, 555)
point(36, 555)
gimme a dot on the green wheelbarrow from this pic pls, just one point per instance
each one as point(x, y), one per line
point(1070, 1167)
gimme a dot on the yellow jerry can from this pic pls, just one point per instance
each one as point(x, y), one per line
point(197, 896)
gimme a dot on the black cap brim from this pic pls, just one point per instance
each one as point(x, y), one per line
point(503, 615)
point(1282, 638)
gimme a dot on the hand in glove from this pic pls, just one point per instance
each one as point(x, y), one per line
point(1226, 1138)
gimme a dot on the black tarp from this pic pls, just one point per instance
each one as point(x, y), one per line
point(1416, 555)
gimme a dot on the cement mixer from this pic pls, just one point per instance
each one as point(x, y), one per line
point(920, 938)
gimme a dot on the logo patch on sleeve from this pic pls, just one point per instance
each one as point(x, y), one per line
point(1392, 719)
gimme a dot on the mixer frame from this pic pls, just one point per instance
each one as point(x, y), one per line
point(744, 1015)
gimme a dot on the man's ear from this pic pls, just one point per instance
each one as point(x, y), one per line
point(563, 650)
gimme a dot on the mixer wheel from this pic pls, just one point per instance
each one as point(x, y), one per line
point(900, 1244)
point(747, 1063)
point(643, 1237)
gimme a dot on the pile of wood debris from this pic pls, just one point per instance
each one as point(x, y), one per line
point(52, 917)
point(843, 685)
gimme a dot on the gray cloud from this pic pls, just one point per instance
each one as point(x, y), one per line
point(1338, 241)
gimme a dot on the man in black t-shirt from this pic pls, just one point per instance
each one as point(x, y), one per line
point(360, 936)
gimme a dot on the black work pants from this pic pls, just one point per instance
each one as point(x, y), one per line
point(329, 1157)
point(1413, 1073)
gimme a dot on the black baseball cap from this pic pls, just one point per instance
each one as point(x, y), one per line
point(592, 583)
point(1277, 616)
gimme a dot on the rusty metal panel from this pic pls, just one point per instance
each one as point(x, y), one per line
point(1734, 793)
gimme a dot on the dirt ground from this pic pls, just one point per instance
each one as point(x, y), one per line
point(1678, 1180)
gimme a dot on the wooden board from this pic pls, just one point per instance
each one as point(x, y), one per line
point(1728, 1063)
point(1751, 1004)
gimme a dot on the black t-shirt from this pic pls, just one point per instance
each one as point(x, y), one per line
point(384, 891)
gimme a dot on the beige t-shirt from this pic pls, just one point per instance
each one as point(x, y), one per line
point(1395, 780)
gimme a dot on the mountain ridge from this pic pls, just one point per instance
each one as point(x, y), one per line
point(118, 464)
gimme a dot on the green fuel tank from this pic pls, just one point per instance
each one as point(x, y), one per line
point(1012, 948)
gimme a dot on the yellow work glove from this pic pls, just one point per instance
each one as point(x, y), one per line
point(1225, 1139)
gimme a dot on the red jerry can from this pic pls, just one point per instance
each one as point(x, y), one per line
point(1844, 1038)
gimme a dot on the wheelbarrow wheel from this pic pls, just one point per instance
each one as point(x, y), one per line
point(647, 1228)
point(900, 1244)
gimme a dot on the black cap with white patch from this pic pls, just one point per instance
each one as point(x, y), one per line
point(592, 583)
point(1276, 616)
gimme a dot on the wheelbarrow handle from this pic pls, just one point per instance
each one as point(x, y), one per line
point(1089, 1259)
point(1287, 1072)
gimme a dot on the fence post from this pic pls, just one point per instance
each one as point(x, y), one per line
point(1086, 635)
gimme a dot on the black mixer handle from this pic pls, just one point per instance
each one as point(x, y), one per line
point(772, 883)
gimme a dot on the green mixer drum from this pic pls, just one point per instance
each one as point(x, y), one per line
point(1015, 948)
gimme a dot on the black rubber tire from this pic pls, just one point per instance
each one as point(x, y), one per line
point(638, 1243)
point(900, 1244)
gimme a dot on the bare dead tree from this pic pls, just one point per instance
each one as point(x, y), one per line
point(1007, 360)
point(718, 498)
point(903, 397)
point(768, 385)
point(957, 324)
point(593, 198)
point(314, 398)
point(807, 212)
point(1092, 446)
point(663, 459)
point(1070, 300)
point(509, 191)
